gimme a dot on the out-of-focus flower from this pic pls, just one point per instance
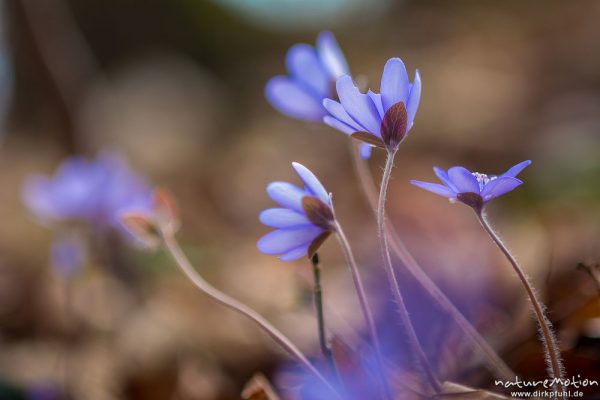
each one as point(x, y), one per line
point(312, 72)
point(43, 391)
point(304, 221)
point(473, 188)
point(67, 255)
point(96, 191)
point(378, 119)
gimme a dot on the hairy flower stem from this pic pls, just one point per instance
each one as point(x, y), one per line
point(318, 298)
point(181, 260)
point(555, 367)
point(364, 305)
point(411, 335)
point(495, 364)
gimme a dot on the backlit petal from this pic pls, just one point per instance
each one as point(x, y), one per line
point(394, 83)
point(463, 180)
point(358, 105)
point(283, 218)
point(499, 186)
point(293, 100)
point(312, 184)
point(435, 188)
point(305, 67)
point(287, 195)
point(284, 240)
point(331, 56)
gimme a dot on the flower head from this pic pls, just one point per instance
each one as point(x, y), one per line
point(473, 188)
point(312, 72)
point(304, 220)
point(95, 191)
point(378, 119)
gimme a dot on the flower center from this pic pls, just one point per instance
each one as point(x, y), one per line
point(483, 179)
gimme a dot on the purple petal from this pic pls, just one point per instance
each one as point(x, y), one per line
point(499, 186)
point(435, 188)
point(338, 112)
point(296, 253)
point(463, 180)
point(413, 99)
point(337, 124)
point(304, 66)
point(359, 106)
point(293, 100)
point(376, 99)
point(331, 56)
point(286, 195)
point(282, 218)
point(283, 240)
point(394, 83)
point(312, 184)
point(443, 176)
point(365, 151)
point(37, 196)
point(515, 170)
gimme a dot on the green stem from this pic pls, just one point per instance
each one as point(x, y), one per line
point(495, 364)
point(318, 298)
point(181, 260)
point(411, 335)
point(555, 367)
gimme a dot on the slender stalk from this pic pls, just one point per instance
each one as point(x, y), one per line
point(494, 363)
point(555, 367)
point(364, 305)
point(413, 340)
point(318, 298)
point(181, 260)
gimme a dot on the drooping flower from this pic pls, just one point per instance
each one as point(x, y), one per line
point(304, 220)
point(473, 188)
point(378, 119)
point(312, 72)
point(95, 191)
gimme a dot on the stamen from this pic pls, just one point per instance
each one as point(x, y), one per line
point(483, 179)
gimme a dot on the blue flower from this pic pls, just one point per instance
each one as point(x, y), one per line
point(473, 188)
point(304, 220)
point(312, 73)
point(96, 191)
point(380, 120)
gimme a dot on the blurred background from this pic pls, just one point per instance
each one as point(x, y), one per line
point(177, 88)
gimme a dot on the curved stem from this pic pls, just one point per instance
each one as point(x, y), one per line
point(413, 340)
point(495, 364)
point(555, 367)
point(181, 260)
point(364, 305)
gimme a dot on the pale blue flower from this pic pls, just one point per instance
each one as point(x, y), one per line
point(379, 119)
point(304, 220)
point(473, 188)
point(96, 191)
point(312, 72)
